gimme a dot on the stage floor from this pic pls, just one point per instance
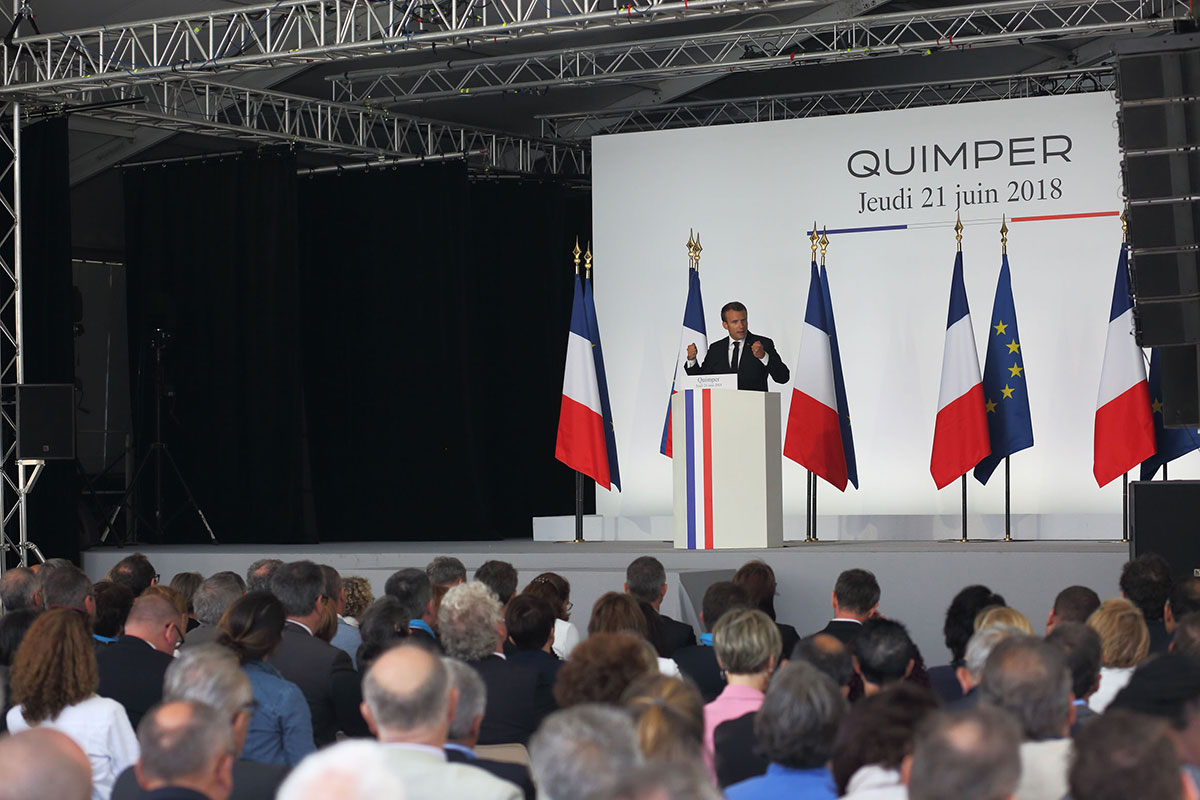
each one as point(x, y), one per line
point(918, 578)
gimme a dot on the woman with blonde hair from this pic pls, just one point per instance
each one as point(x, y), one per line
point(748, 647)
point(1003, 615)
point(1124, 643)
point(54, 681)
point(669, 715)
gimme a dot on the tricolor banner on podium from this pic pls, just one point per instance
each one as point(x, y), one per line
point(697, 424)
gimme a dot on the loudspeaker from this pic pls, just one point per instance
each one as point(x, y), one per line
point(45, 421)
point(1164, 518)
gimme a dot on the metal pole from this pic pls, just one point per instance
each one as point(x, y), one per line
point(578, 507)
point(1165, 472)
point(18, 318)
point(1125, 507)
point(1007, 505)
point(964, 506)
point(814, 507)
point(808, 520)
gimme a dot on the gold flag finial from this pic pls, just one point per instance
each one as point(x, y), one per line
point(698, 249)
point(1003, 235)
point(958, 229)
point(691, 246)
point(814, 239)
point(824, 244)
point(587, 262)
point(576, 253)
point(1124, 228)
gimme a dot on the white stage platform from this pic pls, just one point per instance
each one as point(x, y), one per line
point(918, 578)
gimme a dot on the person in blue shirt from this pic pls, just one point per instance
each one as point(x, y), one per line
point(795, 729)
point(281, 727)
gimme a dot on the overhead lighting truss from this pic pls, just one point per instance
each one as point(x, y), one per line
point(903, 33)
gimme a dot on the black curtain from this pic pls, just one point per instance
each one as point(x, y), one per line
point(212, 263)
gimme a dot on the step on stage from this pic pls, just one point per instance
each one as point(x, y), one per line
point(918, 578)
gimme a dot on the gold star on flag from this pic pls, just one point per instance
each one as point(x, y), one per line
point(1001, 328)
point(991, 406)
point(1015, 371)
point(1013, 347)
point(1156, 406)
point(1007, 392)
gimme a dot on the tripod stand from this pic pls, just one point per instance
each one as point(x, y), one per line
point(158, 452)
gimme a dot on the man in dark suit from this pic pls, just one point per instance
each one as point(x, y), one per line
point(699, 662)
point(855, 599)
point(750, 356)
point(530, 623)
point(464, 729)
point(1083, 649)
point(471, 626)
point(324, 673)
point(132, 668)
point(1146, 582)
point(186, 753)
point(646, 582)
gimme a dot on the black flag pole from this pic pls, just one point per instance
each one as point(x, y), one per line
point(578, 507)
point(964, 507)
point(808, 494)
point(1125, 507)
point(1007, 505)
point(814, 506)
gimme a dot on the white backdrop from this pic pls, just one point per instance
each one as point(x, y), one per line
point(752, 191)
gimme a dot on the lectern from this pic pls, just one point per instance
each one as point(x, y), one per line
point(728, 469)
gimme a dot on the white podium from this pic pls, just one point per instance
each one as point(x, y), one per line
point(728, 469)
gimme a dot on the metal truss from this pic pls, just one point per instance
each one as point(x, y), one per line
point(817, 104)
point(302, 31)
point(957, 28)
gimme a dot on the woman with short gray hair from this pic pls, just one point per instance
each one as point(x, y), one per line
point(747, 646)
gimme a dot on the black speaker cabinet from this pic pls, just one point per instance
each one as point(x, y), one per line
point(45, 421)
point(1164, 518)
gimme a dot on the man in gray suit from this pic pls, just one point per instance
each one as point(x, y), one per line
point(408, 703)
point(212, 598)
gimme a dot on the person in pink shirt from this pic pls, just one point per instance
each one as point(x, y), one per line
point(748, 646)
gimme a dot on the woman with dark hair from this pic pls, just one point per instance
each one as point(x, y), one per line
point(54, 681)
point(186, 583)
point(873, 740)
point(758, 579)
point(957, 631)
point(556, 590)
point(383, 626)
point(616, 612)
point(281, 728)
point(113, 603)
point(602, 668)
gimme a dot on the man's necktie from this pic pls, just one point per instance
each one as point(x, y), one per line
point(737, 351)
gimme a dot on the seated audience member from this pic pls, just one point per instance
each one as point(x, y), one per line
point(280, 729)
point(464, 729)
point(646, 582)
point(1186, 640)
point(258, 576)
point(829, 655)
point(173, 598)
point(186, 583)
point(132, 668)
point(446, 571)
point(583, 752)
point(615, 613)
point(355, 769)
point(1124, 643)
point(471, 624)
point(970, 673)
point(699, 662)
point(1185, 599)
point(1003, 615)
point(966, 754)
point(346, 638)
point(113, 604)
point(408, 703)
point(186, 752)
point(383, 626)
point(556, 590)
point(500, 577)
point(855, 599)
point(1146, 582)
point(748, 650)
point(17, 586)
point(13, 627)
point(657, 780)
point(1168, 687)
point(956, 632)
point(1029, 679)
point(529, 621)
point(1081, 645)
point(602, 668)
point(41, 764)
point(883, 654)
point(324, 673)
point(134, 572)
point(1125, 755)
point(359, 598)
point(1073, 604)
point(43, 572)
point(212, 599)
point(668, 713)
point(54, 684)
point(795, 729)
point(759, 580)
point(210, 675)
point(412, 588)
point(69, 587)
point(874, 739)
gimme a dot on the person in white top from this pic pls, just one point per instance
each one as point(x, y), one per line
point(556, 590)
point(54, 680)
point(1124, 643)
point(875, 737)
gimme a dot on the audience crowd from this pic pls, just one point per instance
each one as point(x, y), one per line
point(295, 682)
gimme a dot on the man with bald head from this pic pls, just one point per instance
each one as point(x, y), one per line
point(409, 702)
point(187, 753)
point(132, 668)
point(42, 763)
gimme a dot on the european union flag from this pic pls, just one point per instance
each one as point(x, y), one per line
point(1169, 443)
point(1004, 394)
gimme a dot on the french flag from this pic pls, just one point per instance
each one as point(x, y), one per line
point(610, 436)
point(960, 434)
point(582, 443)
point(694, 332)
point(814, 431)
point(1124, 433)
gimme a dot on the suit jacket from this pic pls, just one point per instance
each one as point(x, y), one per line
point(251, 781)
point(676, 635)
point(699, 663)
point(131, 672)
point(425, 776)
point(966, 702)
point(204, 634)
point(735, 749)
point(845, 631)
point(328, 680)
point(944, 682)
point(790, 638)
point(546, 665)
point(511, 714)
point(513, 773)
point(751, 372)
